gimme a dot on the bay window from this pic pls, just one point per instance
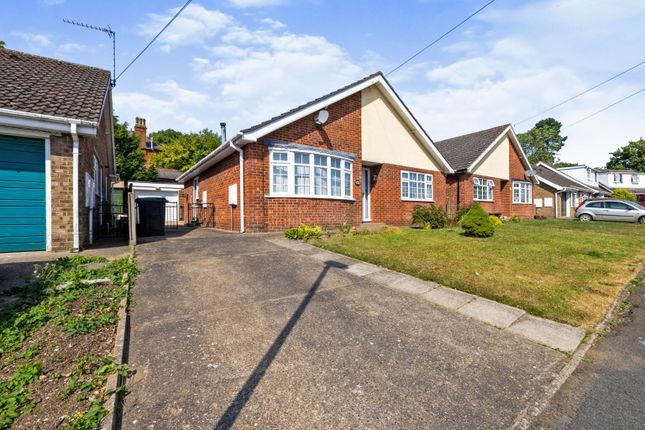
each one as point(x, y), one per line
point(521, 192)
point(483, 189)
point(416, 186)
point(304, 174)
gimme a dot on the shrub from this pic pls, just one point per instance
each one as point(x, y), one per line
point(429, 217)
point(345, 228)
point(477, 223)
point(460, 214)
point(495, 220)
point(303, 232)
point(621, 193)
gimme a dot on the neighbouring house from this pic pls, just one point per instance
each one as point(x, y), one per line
point(352, 156)
point(631, 180)
point(558, 195)
point(166, 190)
point(56, 152)
point(491, 168)
point(585, 174)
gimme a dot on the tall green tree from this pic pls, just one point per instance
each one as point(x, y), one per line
point(130, 163)
point(631, 156)
point(542, 142)
point(180, 151)
point(2, 44)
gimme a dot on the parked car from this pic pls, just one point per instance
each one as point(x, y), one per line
point(610, 210)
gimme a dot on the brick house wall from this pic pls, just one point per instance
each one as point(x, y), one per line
point(386, 204)
point(461, 185)
point(541, 192)
point(61, 180)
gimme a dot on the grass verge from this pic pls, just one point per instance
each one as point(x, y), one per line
point(565, 271)
point(57, 337)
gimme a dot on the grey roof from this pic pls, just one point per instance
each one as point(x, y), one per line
point(30, 83)
point(168, 174)
point(558, 178)
point(462, 151)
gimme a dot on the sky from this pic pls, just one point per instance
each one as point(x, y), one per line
point(244, 61)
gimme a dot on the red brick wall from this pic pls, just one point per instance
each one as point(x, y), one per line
point(540, 192)
point(502, 193)
point(386, 204)
point(215, 181)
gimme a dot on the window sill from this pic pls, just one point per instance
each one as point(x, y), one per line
point(293, 196)
point(403, 199)
point(522, 203)
point(485, 201)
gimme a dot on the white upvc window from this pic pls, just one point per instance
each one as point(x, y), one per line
point(634, 179)
point(618, 178)
point(483, 189)
point(416, 186)
point(521, 192)
point(309, 174)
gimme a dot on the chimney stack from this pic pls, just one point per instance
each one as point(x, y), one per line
point(141, 131)
point(223, 127)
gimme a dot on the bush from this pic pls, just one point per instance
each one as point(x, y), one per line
point(621, 193)
point(514, 218)
point(495, 220)
point(477, 223)
point(345, 228)
point(460, 214)
point(429, 217)
point(303, 232)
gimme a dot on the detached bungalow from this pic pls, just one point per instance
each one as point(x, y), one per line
point(558, 194)
point(352, 156)
point(491, 169)
point(56, 151)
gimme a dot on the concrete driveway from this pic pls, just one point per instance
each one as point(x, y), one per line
point(232, 330)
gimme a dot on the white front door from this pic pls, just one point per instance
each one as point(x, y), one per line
point(367, 188)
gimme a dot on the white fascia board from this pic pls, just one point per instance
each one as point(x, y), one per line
point(21, 132)
point(47, 123)
point(155, 186)
point(550, 184)
point(571, 178)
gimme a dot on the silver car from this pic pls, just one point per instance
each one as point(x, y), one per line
point(611, 210)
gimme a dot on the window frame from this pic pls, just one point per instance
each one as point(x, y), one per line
point(312, 167)
point(529, 192)
point(425, 183)
point(635, 179)
point(490, 184)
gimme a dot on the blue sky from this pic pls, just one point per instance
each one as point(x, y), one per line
point(242, 61)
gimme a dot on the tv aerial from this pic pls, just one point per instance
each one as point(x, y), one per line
point(111, 34)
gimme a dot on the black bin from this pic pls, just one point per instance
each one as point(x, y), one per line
point(152, 216)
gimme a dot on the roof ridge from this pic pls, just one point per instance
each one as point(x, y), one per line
point(28, 54)
point(475, 132)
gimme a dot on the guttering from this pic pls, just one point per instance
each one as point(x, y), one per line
point(241, 151)
point(75, 194)
point(15, 118)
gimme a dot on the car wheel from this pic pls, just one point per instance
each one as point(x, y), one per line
point(585, 217)
point(641, 220)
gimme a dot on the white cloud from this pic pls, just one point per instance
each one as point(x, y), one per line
point(75, 48)
point(256, 3)
point(196, 25)
point(272, 23)
point(514, 66)
point(33, 41)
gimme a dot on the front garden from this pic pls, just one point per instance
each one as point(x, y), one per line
point(57, 340)
point(566, 271)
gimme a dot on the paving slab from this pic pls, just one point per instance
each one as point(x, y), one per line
point(362, 269)
point(294, 245)
point(411, 285)
point(488, 311)
point(326, 256)
point(447, 297)
point(549, 333)
point(385, 277)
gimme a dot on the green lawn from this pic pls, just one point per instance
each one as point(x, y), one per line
point(566, 271)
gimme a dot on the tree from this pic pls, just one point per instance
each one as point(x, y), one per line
point(542, 142)
point(564, 164)
point(129, 159)
point(181, 151)
point(631, 156)
point(2, 44)
point(621, 193)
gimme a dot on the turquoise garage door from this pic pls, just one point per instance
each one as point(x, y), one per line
point(22, 194)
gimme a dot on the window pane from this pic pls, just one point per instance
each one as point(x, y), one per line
point(301, 158)
point(413, 190)
point(320, 181)
point(348, 184)
point(320, 160)
point(302, 180)
point(280, 179)
point(335, 163)
point(404, 175)
point(348, 165)
point(405, 191)
point(335, 181)
point(429, 190)
point(279, 156)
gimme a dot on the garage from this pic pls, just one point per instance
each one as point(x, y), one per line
point(22, 194)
